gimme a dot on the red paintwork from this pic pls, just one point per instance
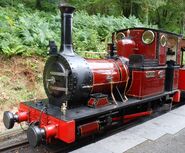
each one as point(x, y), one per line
point(89, 128)
point(22, 116)
point(176, 96)
point(142, 86)
point(63, 130)
point(125, 47)
point(101, 102)
point(149, 51)
point(117, 118)
point(162, 53)
point(140, 114)
point(181, 81)
point(179, 52)
point(50, 130)
point(132, 116)
point(93, 102)
point(103, 71)
point(176, 79)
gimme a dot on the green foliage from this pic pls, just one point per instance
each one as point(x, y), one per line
point(169, 15)
point(108, 7)
point(27, 31)
point(91, 32)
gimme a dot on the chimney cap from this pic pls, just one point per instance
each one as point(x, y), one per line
point(66, 8)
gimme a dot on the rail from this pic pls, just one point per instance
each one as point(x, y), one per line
point(14, 146)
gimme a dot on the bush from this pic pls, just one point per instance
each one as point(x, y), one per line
point(24, 31)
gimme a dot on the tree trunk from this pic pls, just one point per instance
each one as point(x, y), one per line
point(38, 4)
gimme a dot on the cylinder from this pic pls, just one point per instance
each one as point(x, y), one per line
point(22, 116)
point(50, 130)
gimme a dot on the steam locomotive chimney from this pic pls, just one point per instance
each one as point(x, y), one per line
point(66, 29)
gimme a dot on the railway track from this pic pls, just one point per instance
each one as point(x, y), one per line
point(16, 147)
point(19, 143)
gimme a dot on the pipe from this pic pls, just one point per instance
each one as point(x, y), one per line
point(66, 29)
point(136, 115)
point(132, 116)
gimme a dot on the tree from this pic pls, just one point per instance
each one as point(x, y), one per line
point(167, 14)
point(140, 8)
point(107, 7)
point(170, 16)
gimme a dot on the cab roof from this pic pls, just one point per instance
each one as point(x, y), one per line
point(156, 30)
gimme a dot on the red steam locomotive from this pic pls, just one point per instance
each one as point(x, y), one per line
point(85, 96)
